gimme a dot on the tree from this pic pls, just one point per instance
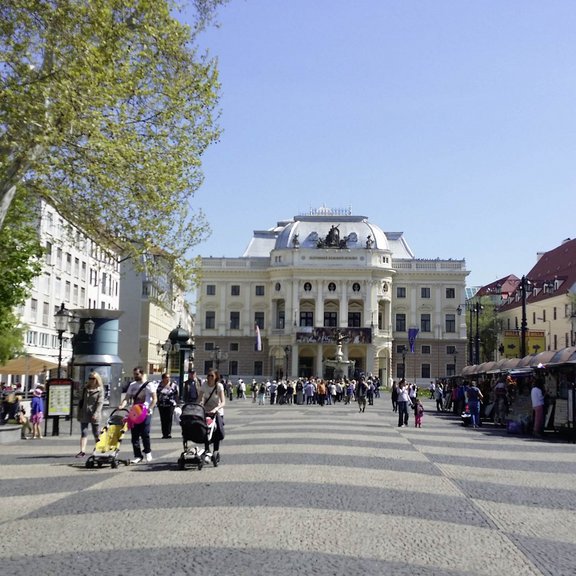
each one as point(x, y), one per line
point(20, 263)
point(105, 110)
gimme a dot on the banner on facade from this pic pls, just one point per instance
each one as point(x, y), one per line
point(412, 333)
point(328, 335)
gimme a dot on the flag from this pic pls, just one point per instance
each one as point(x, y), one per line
point(412, 333)
point(258, 339)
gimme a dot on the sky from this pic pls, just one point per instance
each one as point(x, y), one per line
point(453, 121)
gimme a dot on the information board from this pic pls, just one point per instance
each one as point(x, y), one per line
point(59, 397)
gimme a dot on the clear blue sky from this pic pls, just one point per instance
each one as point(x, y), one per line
point(453, 121)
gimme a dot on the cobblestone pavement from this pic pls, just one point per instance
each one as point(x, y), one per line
point(300, 490)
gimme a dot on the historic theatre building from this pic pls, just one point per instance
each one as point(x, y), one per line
point(276, 311)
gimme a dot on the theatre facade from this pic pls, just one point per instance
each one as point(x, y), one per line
point(326, 276)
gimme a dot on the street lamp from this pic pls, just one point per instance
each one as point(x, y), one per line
point(217, 356)
point(64, 321)
point(477, 309)
point(455, 354)
point(525, 288)
point(286, 352)
point(404, 350)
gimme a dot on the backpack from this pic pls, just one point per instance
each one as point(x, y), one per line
point(262, 389)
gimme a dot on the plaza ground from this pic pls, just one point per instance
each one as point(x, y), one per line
point(300, 490)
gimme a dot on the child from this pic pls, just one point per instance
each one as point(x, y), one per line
point(22, 419)
point(37, 412)
point(418, 413)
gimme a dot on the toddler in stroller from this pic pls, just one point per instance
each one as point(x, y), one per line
point(108, 445)
point(197, 431)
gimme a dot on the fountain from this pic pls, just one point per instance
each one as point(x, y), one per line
point(341, 366)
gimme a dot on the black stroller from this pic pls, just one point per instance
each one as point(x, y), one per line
point(197, 429)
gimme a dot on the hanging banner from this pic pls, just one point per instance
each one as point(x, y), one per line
point(412, 333)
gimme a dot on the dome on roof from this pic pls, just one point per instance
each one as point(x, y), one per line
point(353, 232)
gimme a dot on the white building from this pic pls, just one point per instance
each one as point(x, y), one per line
point(327, 271)
point(78, 273)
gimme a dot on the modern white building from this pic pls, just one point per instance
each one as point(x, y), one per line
point(323, 275)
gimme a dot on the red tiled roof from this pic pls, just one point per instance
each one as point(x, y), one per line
point(554, 273)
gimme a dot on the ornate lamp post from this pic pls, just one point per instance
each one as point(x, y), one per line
point(287, 353)
point(404, 350)
point(525, 288)
point(217, 356)
point(64, 321)
point(455, 355)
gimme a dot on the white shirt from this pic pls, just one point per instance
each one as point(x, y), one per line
point(537, 397)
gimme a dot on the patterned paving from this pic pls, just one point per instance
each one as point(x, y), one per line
point(301, 490)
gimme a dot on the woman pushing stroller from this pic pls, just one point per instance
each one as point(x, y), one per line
point(211, 396)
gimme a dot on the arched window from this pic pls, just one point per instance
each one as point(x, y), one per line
point(332, 287)
point(307, 286)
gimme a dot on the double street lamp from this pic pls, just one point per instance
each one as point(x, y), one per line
point(67, 321)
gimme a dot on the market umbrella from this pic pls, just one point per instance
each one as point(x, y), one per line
point(27, 365)
point(564, 356)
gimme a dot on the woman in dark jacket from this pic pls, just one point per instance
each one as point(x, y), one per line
point(168, 398)
point(90, 410)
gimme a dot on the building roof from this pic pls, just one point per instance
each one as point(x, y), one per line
point(553, 274)
point(314, 229)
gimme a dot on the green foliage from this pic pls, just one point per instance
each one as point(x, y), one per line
point(105, 110)
point(20, 263)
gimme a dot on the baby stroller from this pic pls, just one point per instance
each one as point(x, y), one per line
point(197, 429)
point(108, 445)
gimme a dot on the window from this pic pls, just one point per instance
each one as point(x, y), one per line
point(259, 319)
point(400, 292)
point(277, 286)
point(425, 371)
point(426, 349)
point(46, 313)
point(59, 257)
point(68, 262)
point(399, 348)
point(259, 290)
point(451, 350)
point(331, 319)
point(208, 364)
point(233, 367)
point(307, 286)
point(211, 290)
point(235, 290)
point(424, 292)
point(77, 267)
point(332, 287)
point(48, 253)
point(210, 320)
point(234, 346)
point(450, 322)
point(354, 319)
point(258, 368)
point(356, 287)
point(280, 320)
point(400, 322)
point(450, 293)
point(425, 323)
point(208, 346)
point(234, 320)
point(306, 318)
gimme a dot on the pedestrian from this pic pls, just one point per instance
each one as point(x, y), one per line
point(473, 399)
point(361, 393)
point(299, 392)
point(168, 398)
point(439, 394)
point(213, 399)
point(261, 394)
point(403, 402)
point(254, 390)
point(394, 396)
point(23, 420)
point(538, 401)
point(90, 410)
point(142, 395)
point(190, 388)
point(418, 413)
point(37, 411)
point(370, 393)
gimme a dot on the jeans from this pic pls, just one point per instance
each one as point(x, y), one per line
point(166, 415)
point(474, 407)
point(402, 413)
point(141, 431)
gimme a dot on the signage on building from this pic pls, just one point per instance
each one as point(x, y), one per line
point(309, 334)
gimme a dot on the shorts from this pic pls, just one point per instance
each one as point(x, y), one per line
point(37, 418)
